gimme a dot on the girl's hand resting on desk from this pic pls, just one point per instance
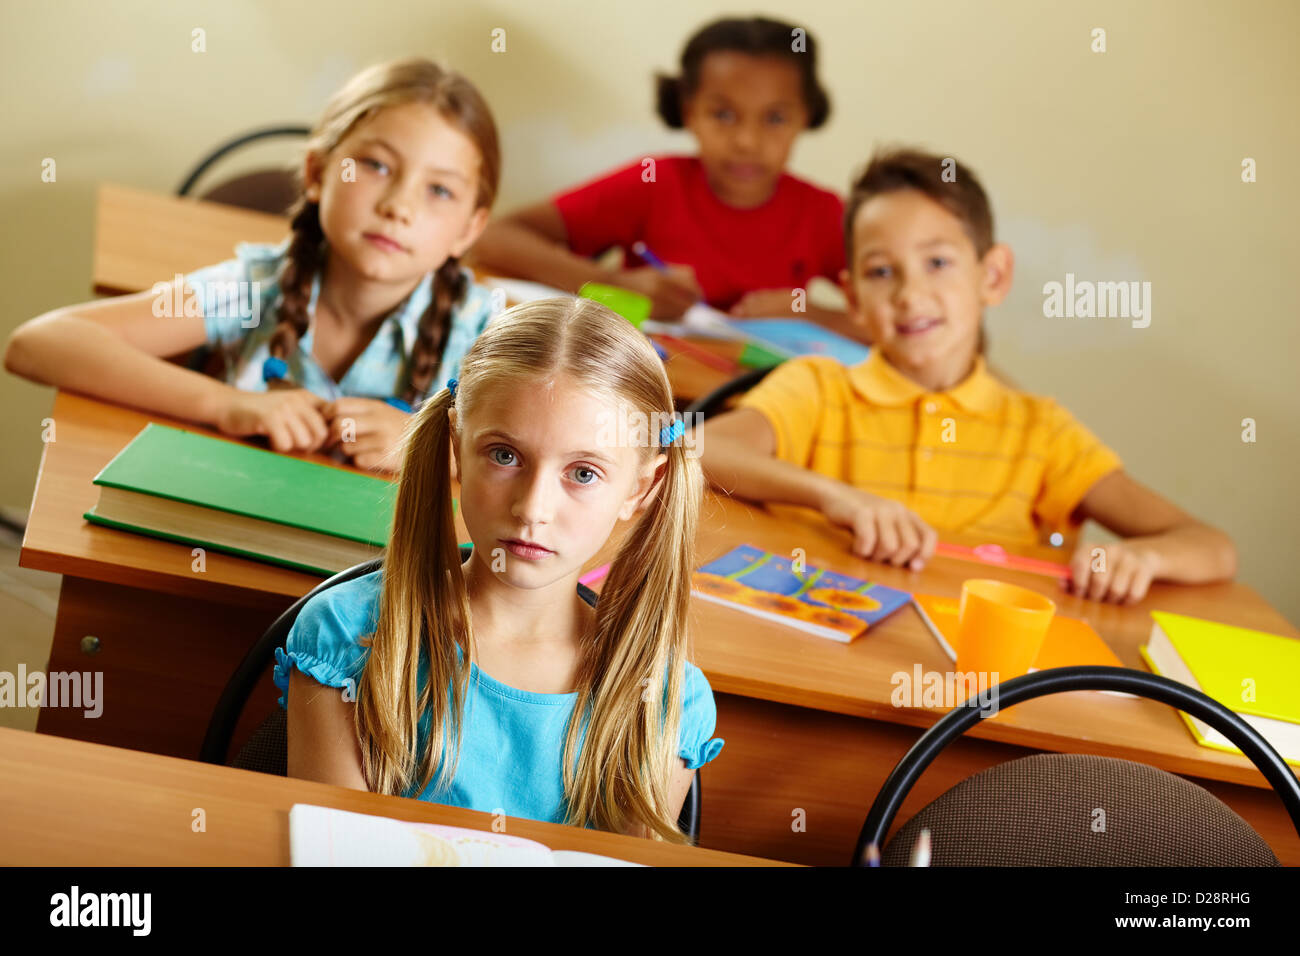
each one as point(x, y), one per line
point(1121, 572)
point(671, 292)
point(291, 418)
point(883, 529)
point(368, 430)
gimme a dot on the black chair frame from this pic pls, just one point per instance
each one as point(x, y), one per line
point(1058, 680)
point(230, 146)
point(710, 404)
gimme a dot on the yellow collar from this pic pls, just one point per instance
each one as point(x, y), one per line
point(882, 384)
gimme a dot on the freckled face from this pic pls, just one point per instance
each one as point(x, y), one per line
point(541, 464)
point(412, 202)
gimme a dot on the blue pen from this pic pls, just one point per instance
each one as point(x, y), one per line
point(642, 250)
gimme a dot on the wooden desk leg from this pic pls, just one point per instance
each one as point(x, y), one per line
point(796, 784)
point(164, 660)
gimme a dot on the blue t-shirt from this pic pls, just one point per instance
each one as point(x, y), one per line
point(240, 324)
point(513, 740)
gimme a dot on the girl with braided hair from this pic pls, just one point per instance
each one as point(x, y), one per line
point(333, 337)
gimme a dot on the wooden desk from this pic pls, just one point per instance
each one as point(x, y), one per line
point(143, 237)
point(169, 637)
point(808, 722)
point(140, 808)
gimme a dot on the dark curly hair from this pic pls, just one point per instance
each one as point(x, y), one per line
point(757, 36)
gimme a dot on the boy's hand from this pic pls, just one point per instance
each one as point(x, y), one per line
point(765, 304)
point(1121, 572)
point(290, 418)
point(368, 430)
point(883, 530)
point(671, 292)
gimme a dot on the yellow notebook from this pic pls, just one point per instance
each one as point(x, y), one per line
point(1252, 673)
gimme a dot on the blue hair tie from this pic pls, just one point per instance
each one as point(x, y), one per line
point(451, 387)
point(670, 433)
point(274, 369)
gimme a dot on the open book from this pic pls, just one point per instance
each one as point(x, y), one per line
point(323, 836)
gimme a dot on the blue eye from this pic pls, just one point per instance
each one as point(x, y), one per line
point(589, 471)
point(876, 272)
point(441, 191)
point(492, 452)
point(375, 164)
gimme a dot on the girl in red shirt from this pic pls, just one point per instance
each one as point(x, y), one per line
point(734, 228)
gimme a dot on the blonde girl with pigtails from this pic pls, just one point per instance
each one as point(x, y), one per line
point(487, 677)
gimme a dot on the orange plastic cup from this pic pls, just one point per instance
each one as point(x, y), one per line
point(1001, 628)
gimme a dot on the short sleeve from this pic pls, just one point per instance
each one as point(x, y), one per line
point(609, 211)
point(324, 642)
point(790, 398)
point(1075, 460)
point(226, 291)
point(699, 717)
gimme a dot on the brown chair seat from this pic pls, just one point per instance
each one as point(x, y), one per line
point(1079, 810)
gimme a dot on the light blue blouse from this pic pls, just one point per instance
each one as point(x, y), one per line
point(240, 300)
point(513, 740)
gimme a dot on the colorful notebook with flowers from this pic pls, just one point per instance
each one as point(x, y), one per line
point(814, 600)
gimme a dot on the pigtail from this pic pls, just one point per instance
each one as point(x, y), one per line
point(304, 257)
point(424, 603)
point(449, 285)
point(640, 638)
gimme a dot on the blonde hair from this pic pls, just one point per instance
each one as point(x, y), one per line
point(630, 669)
point(373, 89)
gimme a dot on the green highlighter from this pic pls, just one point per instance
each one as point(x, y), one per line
point(633, 306)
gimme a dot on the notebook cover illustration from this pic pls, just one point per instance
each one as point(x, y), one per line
point(815, 600)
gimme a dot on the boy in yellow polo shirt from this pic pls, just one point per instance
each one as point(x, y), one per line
point(921, 436)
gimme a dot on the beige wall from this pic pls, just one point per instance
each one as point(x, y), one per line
point(1123, 165)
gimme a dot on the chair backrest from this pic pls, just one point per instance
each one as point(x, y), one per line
point(265, 190)
point(1079, 810)
point(1059, 680)
point(716, 400)
point(267, 749)
point(261, 656)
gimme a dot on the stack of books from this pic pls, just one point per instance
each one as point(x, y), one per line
point(227, 496)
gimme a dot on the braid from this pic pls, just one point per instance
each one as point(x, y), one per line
point(301, 262)
point(449, 287)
